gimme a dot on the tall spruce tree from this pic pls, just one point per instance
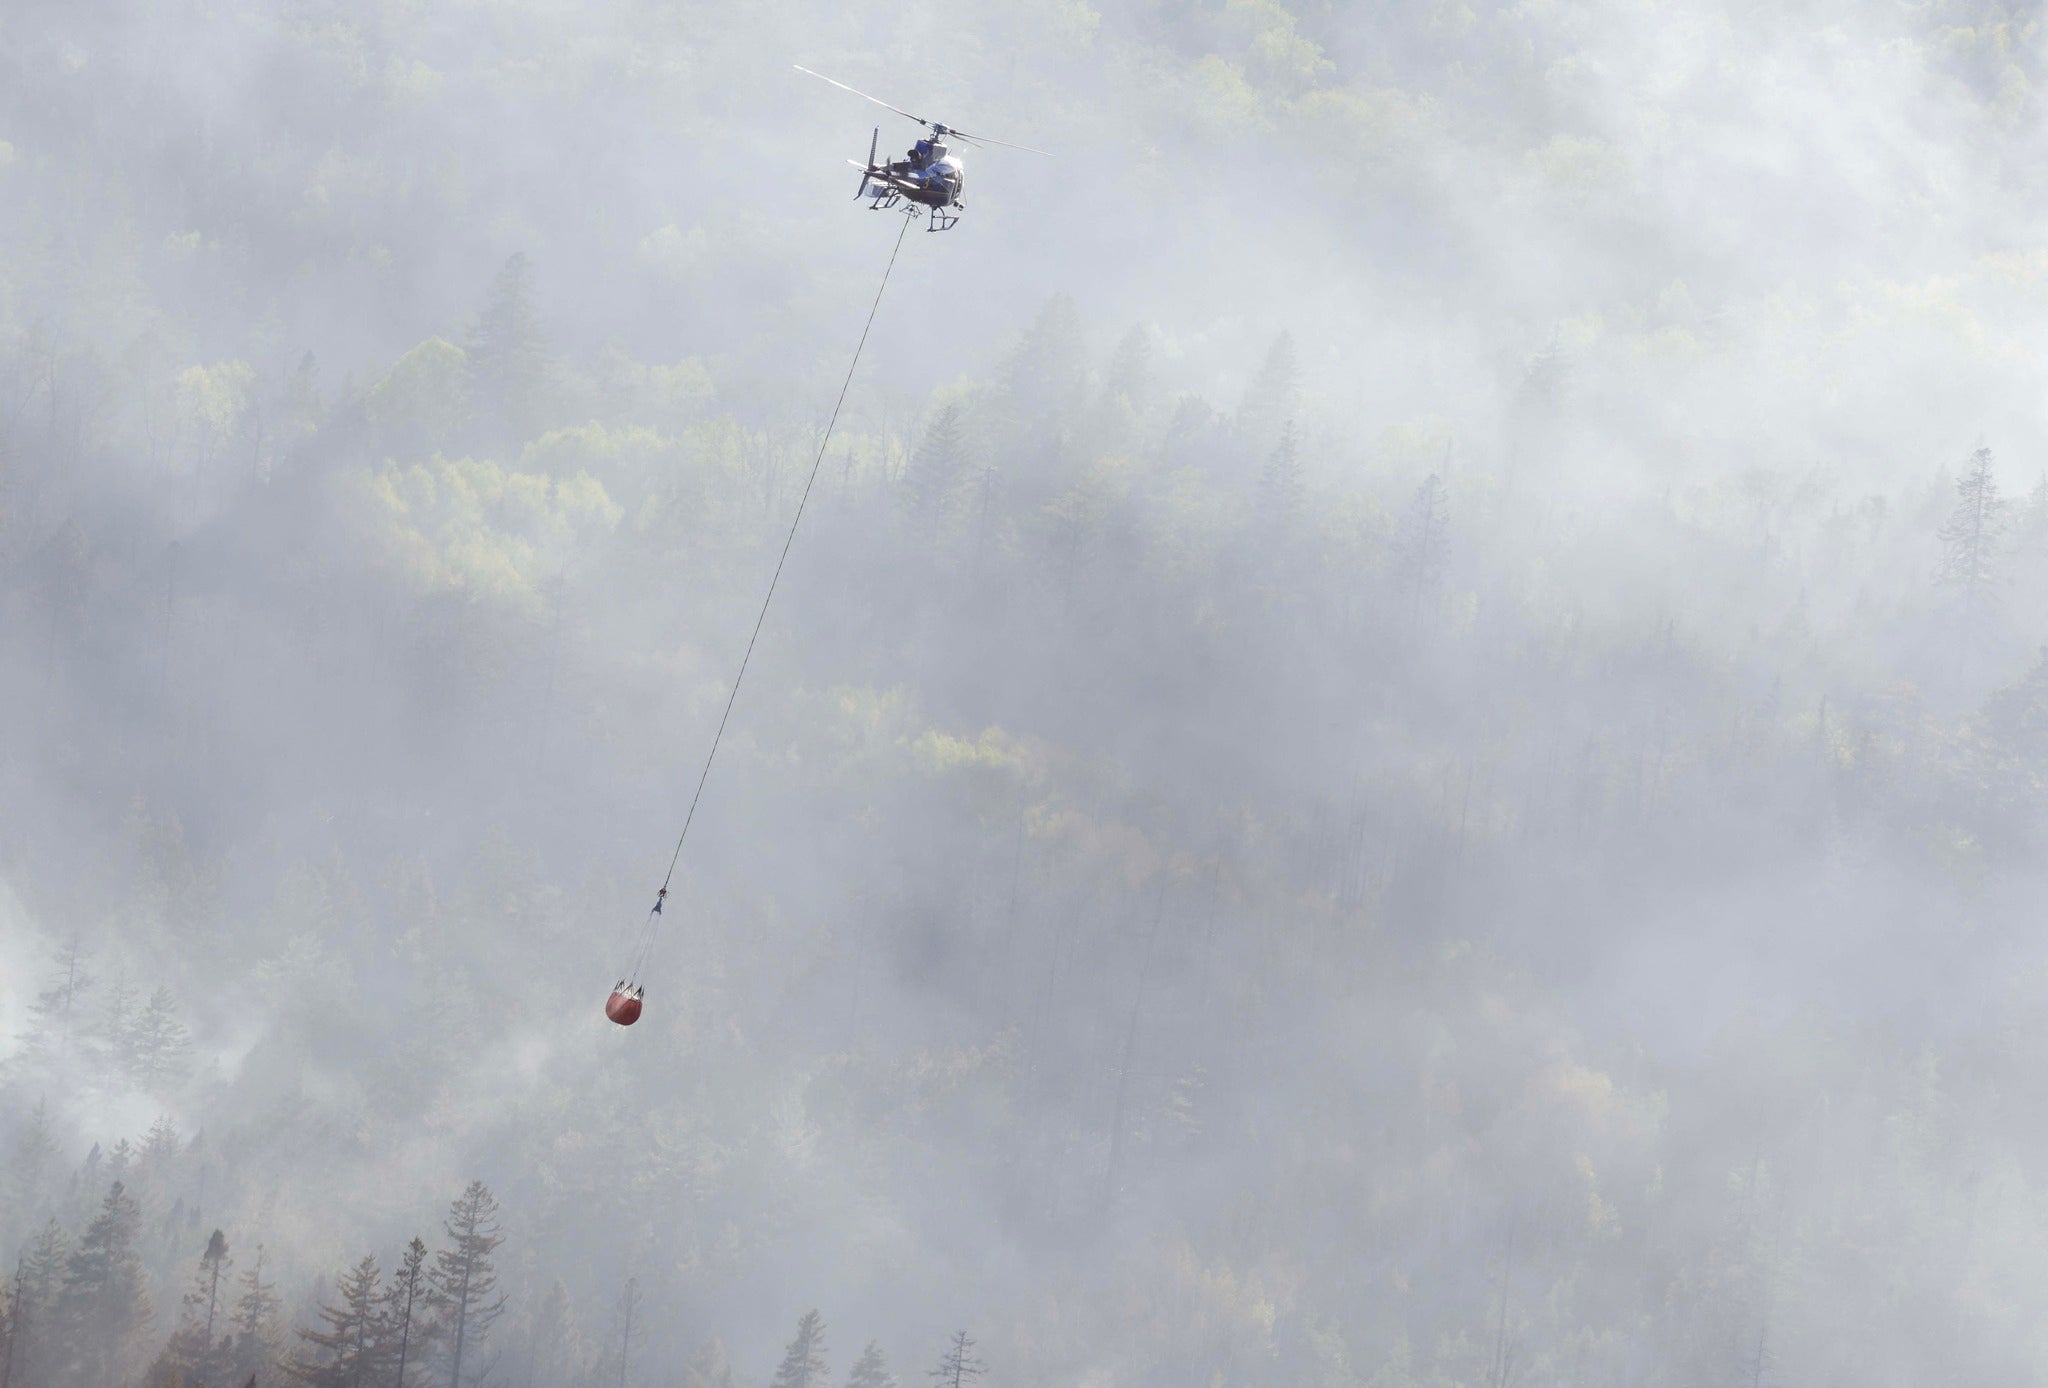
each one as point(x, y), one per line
point(508, 358)
point(958, 1366)
point(406, 1298)
point(463, 1282)
point(192, 1355)
point(1973, 539)
point(54, 1015)
point(103, 1306)
point(157, 1042)
point(803, 1363)
point(1280, 486)
point(354, 1349)
point(28, 1166)
point(1422, 546)
point(255, 1327)
point(936, 468)
point(1272, 398)
point(34, 1338)
point(871, 1370)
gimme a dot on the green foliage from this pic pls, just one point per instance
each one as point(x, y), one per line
point(422, 404)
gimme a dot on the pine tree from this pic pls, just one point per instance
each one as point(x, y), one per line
point(1129, 375)
point(871, 1370)
point(958, 1366)
point(160, 1149)
point(354, 1349)
point(1423, 542)
point(54, 1015)
point(13, 1315)
point(1973, 540)
point(803, 1363)
point(117, 1020)
point(157, 1042)
point(104, 1303)
point(193, 1355)
point(403, 1297)
point(212, 1263)
point(255, 1327)
point(1042, 385)
point(28, 1166)
point(33, 1344)
point(463, 1284)
point(1280, 486)
point(936, 467)
point(1273, 397)
point(508, 356)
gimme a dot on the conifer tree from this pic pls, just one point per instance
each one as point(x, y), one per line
point(404, 1298)
point(13, 1308)
point(33, 1328)
point(28, 1166)
point(871, 1370)
point(53, 1016)
point(1042, 384)
point(1973, 539)
point(936, 467)
point(212, 1263)
point(1273, 397)
point(1128, 376)
point(104, 1302)
point(803, 1363)
point(160, 1149)
point(1280, 486)
point(958, 1366)
point(1423, 542)
point(353, 1350)
point(508, 356)
point(193, 1355)
point(157, 1042)
point(255, 1327)
point(463, 1283)
point(111, 1045)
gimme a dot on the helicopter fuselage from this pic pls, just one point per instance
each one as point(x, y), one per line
point(935, 179)
point(929, 176)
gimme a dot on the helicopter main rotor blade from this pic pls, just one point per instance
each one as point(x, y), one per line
point(861, 94)
point(985, 140)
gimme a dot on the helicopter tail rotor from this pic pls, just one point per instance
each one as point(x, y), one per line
point(873, 143)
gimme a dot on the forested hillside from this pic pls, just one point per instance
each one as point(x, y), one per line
point(1406, 742)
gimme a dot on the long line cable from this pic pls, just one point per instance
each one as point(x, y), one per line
point(647, 933)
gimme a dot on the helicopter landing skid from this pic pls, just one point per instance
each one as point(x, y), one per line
point(942, 220)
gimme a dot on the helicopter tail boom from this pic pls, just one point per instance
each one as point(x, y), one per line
point(873, 143)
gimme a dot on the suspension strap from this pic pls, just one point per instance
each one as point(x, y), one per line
point(647, 933)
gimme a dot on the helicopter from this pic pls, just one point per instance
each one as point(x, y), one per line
point(931, 176)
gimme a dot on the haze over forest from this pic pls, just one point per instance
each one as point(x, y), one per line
point(1406, 742)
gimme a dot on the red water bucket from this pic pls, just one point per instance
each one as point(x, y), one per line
point(623, 1006)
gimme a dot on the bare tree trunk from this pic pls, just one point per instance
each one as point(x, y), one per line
point(1496, 1377)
